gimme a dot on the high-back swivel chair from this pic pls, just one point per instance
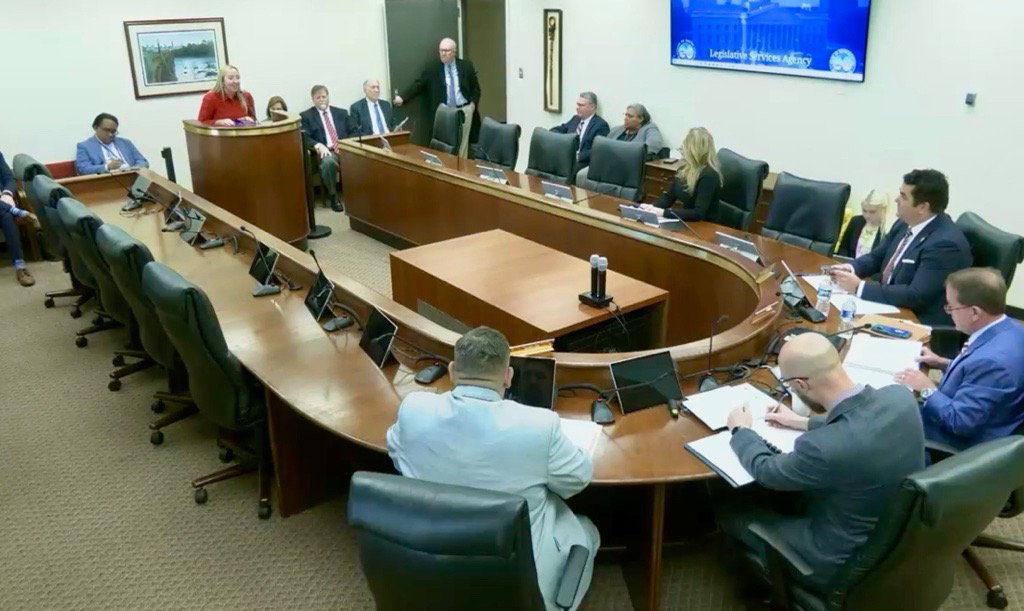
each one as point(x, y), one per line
point(447, 135)
point(806, 213)
point(616, 168)
point(44, 193)
point(498, 143)
point(742, 181)
point(991, 246)
point(224, 392)
point(553, 156)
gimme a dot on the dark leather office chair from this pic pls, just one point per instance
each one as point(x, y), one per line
point(616, 168)
point(806, 213)
point(498, 143)
point(553, 156)
point(426, 546)
point(81, 223)
point(447, 135)
point(224, 392)
point(742, 180)
point(25, 169)
point(126, 258)
point(30, 170)
point(996, 597)
point(908, 561)
point(991, 246)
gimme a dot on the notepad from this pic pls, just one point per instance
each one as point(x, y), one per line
point(712, 407)
point(881, 354)
point(840, 296)
point(716, 452)
point(582, 433)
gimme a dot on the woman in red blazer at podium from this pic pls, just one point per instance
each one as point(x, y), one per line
point(227, 102)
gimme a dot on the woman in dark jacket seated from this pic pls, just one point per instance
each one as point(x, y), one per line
point(696, 185)
point(864, 231)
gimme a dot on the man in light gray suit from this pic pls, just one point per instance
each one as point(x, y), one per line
point(848, 465)
point(472, 437)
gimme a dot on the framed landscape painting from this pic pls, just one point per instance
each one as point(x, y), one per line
point(175, 56)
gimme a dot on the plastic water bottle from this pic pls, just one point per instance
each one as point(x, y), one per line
point(847, 313)
point(824, 296)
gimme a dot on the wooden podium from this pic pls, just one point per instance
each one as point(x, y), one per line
point(255, 172)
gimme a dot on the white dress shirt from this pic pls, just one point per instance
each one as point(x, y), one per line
point(896, 256)
point(110, 151)
point(374, 120)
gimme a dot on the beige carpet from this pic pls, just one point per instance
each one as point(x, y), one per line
point(94, 517)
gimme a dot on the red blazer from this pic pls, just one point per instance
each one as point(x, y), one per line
point(216, 107)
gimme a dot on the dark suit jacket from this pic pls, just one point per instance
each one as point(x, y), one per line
point(596, 127)
point(6, 177)
point(361, 121)
point(918, 281)
point(313, 128)
point(848, 243)
point(848, 466)
point(981, 396)
point(432, 83)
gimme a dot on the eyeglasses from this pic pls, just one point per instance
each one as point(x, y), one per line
point(785, 381)
point(950, 310)
point(112, 132)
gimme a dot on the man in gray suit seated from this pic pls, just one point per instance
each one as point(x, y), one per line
point(859, 445)
point(472, 437)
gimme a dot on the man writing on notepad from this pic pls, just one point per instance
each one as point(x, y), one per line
point(472, 437)
point(981, 394)
point(859, 445)
point(913, 260)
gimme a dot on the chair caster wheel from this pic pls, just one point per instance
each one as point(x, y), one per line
point(156, 438)
point(264, 511)
point(158, 406)
point(81, 342)
point(226, 455)
point(201, 496)
point(48, 303)
point(76, 313)
point(114, 385)
point(118, 360)
point(996, 598)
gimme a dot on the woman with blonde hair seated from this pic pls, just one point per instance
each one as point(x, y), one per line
point(865, 231)
point(275, 103)
point(696, 185)
point(227, 104)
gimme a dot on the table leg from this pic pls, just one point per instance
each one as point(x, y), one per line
point(642, 567)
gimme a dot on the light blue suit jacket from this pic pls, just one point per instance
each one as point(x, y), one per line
point(89, 156)
point(981, 396)
point(471, 437)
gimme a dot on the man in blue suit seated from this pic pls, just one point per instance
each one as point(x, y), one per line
point(472, 437)
point(587, 125)
point(981, 395)
point(106, 152)
point(922, 248)
point(372, 115)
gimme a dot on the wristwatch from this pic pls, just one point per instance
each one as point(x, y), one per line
point(927, 392)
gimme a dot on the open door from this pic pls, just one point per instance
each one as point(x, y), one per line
point(414, 29)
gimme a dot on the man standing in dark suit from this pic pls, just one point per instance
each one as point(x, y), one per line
point(847, 467)
point(323, 126)
point(920, 251)
point(587, 125)
point(372, 115)
point(451, 81)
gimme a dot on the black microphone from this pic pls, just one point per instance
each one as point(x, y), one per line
point(266, 287)
point(680, 219)
point(708, 381)
point(134, 201)
point(337, 322)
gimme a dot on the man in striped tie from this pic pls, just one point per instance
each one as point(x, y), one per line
point(323, 126)
point(981, 394)
point(922, 249)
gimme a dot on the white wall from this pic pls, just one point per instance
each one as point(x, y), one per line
point(58, 77)
point(923, 56)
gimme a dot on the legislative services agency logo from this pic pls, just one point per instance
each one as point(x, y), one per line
point(686, 50)
point(842, 60)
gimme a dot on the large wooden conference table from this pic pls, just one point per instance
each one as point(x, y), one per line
point(329, 407)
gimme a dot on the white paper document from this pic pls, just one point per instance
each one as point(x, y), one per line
point(839, 296)
point(713, 407)
point(781, 437)
point(882, 355)
point(717, 453)
point(582, 433)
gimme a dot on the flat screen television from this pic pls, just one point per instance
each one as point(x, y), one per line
point(817, 38)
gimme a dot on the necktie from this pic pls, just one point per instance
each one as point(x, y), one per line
point(380, 118)
point(331, 132)
point(451, 85)
point(891, 265)
point(579, 129)
point(956, 360)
